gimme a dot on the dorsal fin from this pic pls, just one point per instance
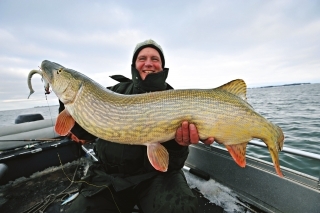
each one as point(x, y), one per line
point(237, 87)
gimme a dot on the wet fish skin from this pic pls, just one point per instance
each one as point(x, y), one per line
point(151, 118)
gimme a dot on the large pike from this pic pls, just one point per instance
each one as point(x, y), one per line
point(152, 118)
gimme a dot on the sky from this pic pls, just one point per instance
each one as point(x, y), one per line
point(206, 43)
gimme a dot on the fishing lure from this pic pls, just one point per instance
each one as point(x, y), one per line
point(70, 198)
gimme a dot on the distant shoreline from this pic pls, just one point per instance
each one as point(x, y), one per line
point(283, 85)
point(46, 106)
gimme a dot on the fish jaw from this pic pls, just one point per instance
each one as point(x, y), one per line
point(61, 80)
point(275, 144)
point(280, 139)
point(47, 68)
point(275, 160)
point(46, 87)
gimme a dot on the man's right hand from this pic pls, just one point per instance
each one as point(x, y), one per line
point(187, 134)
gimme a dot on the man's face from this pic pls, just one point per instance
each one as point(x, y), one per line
point(148, 61)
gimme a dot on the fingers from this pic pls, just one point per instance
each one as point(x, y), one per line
point(193, 132)
point(178, 137)
point(182, 134)
point(188, 134)
point(76, 139)
point(185, 133)
point(208, 141)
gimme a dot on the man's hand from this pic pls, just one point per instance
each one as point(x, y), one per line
point(187, 134)
point(76, 139)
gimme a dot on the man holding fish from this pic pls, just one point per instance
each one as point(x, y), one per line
point(153, 115)
point(126, 169)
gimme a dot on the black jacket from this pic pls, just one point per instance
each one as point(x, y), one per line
point(124, 165)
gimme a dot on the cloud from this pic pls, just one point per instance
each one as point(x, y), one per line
point(206, 43)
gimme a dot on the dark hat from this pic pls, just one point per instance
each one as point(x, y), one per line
point(147, 43)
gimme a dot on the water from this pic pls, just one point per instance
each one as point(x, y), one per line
point(8, 117)
point(296, 109)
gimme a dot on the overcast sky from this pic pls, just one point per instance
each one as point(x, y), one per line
point(206, 43)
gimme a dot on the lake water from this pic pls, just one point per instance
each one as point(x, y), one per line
point(296, 109)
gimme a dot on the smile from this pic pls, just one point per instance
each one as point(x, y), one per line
point(148, 71)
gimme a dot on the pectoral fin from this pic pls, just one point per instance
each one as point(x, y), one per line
point(238, 153)
point(158, 156)
point(64, 123)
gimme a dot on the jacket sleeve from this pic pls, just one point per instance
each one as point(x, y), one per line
point(77, 130)
point(177, 154)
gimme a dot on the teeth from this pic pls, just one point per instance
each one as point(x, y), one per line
point(148, 71)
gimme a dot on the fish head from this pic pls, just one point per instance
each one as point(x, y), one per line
point(64, 82)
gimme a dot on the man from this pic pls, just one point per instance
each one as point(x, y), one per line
point(124, 176)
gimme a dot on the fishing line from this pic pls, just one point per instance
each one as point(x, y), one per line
point(50, 115)
point(40, 139)
point(44, 204)
point(90, 184)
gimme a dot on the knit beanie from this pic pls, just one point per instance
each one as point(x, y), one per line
point(147, 43)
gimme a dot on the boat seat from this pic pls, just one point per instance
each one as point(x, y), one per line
point(28, 118)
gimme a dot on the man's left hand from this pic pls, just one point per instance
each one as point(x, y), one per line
point(187, 134)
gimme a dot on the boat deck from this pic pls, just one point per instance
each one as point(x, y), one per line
point(45, 190)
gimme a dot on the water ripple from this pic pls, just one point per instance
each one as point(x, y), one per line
point(296, 109)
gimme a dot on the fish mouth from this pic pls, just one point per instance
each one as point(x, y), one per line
point(48, 68)
point(46, 88)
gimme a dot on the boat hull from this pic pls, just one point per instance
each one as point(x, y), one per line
point(257, 183)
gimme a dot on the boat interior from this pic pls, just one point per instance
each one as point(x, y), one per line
point(39, 172)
